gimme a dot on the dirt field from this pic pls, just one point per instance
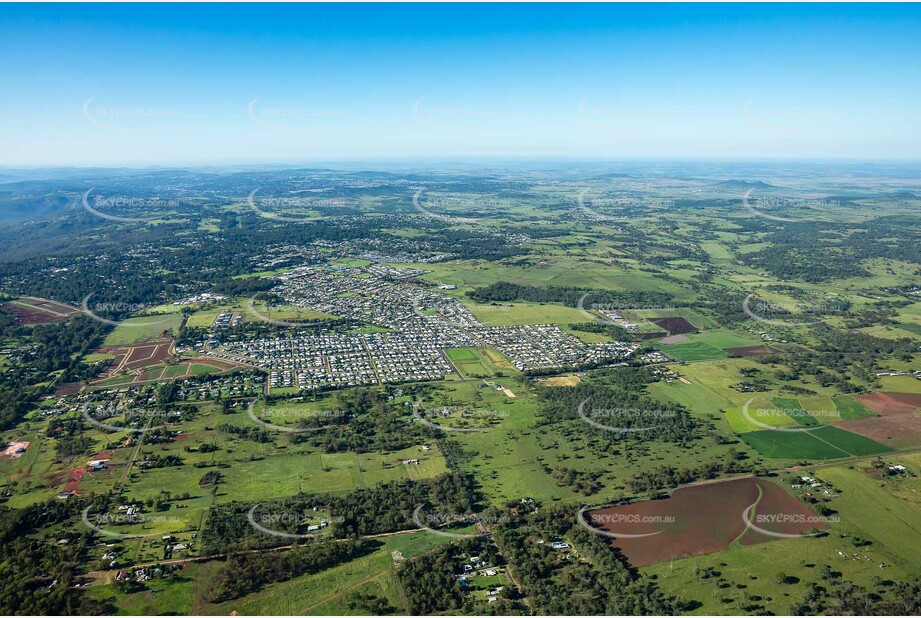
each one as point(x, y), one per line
point(894, 430)
point(898, 425)
point(135, 357)
point(674, 326)
point(560, 381)
point(162, 371)
point(674, 339)
point(885, 404)
point(701, 520)
point(31, 310)
point(146, 355)
point(68, 388)
point(751, 350)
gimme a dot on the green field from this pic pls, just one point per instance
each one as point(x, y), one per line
point(137, 330)
point(693, 351)
point(723, 339)
point(849, 408)
point(819, 444)
point(479, 363)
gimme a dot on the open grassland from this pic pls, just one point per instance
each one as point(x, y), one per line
point(263, 471)
point(515, 459)
point(883, 510)
point(137, 330)
point(900, 384)
point(564, 271)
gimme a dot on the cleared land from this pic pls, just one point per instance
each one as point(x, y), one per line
point(701, 519)
point(33, 310)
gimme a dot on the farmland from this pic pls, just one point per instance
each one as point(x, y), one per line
point(407, 397)
point(700, 520)
point(866, 508)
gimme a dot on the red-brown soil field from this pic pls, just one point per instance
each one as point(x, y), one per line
point(898, 425)
point(674, 326)
point(701, 519)
point(751, 350)
point(885, 404)
point(30, 310)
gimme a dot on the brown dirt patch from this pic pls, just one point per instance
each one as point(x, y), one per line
point(703, 519)
point(147, 355)
point(893, 430)
point(31, 310)
point(674, 339)
point(73, 479)
point(912, 399)
point(751, 350)
point(28, 316)
point(886, 404)
point(134, 358)
point(68, 388)
point(674, 326)
point(560, 381)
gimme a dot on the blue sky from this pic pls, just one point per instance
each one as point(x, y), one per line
point(189, 84)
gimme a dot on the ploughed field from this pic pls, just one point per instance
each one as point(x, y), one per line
point(31, 310)
point(703, 519)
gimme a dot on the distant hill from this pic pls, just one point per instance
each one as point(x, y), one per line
point(745, 184)
point(17, 207)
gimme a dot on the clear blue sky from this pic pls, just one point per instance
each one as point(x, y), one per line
point(185, 84)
